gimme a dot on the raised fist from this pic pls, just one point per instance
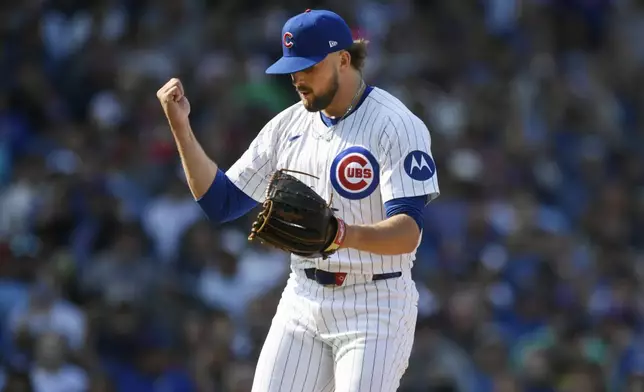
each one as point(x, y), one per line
point(174, 102)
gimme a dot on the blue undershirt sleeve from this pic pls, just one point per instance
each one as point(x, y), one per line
point(412, 206)
point(224, 202)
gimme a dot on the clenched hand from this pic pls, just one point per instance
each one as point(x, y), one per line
point(174, 103)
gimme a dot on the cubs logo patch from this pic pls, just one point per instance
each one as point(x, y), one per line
point(288, 39)
point(419, 165)
point(355, 173)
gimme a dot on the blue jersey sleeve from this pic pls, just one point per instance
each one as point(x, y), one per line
point(224, 202)
point(412, 206)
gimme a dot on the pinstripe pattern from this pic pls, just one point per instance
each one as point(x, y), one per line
point(293, 357)
point(383, 126)
point(310, 348)
point(357, 337)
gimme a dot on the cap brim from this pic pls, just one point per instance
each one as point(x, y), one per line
point(288, 65)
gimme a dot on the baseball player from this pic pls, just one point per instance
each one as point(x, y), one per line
point(345, 322)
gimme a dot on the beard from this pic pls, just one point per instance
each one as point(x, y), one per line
point(316, 103)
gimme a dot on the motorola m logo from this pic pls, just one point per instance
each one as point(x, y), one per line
point(419, 165)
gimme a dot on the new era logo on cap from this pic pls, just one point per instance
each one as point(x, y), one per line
point(308, 38)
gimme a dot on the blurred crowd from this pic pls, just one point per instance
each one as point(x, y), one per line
point(111, 279)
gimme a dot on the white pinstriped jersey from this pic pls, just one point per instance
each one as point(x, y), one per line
point(382, 151)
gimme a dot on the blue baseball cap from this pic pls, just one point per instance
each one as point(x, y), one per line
point(308, 38)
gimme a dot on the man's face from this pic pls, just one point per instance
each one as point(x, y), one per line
point(318, 85)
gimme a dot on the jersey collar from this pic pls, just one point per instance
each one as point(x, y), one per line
point(332, 121)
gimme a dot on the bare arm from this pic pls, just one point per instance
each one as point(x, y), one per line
point(200, 170)
point(393, 236)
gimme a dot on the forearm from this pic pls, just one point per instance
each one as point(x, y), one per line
point(396, 235)
point(200, 170)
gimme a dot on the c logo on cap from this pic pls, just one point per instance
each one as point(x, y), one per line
point(288, 39)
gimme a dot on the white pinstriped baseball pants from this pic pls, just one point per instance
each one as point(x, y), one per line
point(353, 338)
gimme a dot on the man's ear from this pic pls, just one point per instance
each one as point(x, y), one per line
point(345, 59)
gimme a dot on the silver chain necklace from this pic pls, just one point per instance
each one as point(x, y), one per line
point(329, 133)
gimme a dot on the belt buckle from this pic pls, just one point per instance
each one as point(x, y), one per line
point(338, 278)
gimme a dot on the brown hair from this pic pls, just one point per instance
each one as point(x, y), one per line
point(358, 52)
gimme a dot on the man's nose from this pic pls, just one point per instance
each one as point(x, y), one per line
point(297, 79)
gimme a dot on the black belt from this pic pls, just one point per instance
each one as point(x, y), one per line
point(327, 278)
